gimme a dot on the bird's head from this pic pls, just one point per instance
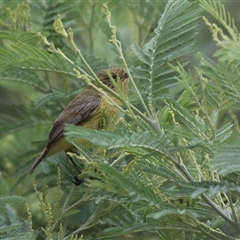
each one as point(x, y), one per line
point(114, 74)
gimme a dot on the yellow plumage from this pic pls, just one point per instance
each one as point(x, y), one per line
point(90, 110)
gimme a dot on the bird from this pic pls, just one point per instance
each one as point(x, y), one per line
point(90, 109)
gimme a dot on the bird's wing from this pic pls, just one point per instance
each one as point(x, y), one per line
point(79, 110)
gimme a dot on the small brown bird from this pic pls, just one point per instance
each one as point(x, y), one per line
point(90, 109)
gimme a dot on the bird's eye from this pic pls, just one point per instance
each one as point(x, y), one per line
point(125, 76)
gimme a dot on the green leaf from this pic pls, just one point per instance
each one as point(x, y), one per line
point(21, 37)
point(190, 121)
point(118, 139)
point(68, 213)
point(109, 209)
point(7, 199)
point(24, 76)
point(19, 119)
point(161, 170)
point(218, 11)
point(223, 85)
point(227, 159)
point(224, 132)
point(5, 229)
point(32, 58)
point(167, 212)
point(174, 38)
point(135, 188)
point(49, 97)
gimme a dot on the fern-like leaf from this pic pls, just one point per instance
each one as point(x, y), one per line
point(227, 160)
point(24, 76)
point(174, 38)
point(218, 11)
point(32, 58)
point(223, 81)
point(132, 187)
point(20, 120)
point(120, 139)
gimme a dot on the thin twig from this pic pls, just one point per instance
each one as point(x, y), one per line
point(232, 208)
point(205, 232)
point(83, 227)
point(118, 46)
point(85, 198)
point(64, 206)
point(212, 204)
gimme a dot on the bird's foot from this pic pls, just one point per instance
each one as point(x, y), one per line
point(77, 180)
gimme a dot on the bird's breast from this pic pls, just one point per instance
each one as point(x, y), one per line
point(105, 115)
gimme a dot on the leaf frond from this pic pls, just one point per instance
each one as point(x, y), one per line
point(174, 38)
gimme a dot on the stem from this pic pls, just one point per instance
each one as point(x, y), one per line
point(83, 227)
point(212, 204)
point(84, 198)
point(113, 93)
point(196, 98)
point(69, 60)
point(103, 86)
point(183, 169)
point(64, 206)
point(70, 38)
point(220, 212)
point(65, 209)
point(214, 10)
point(149, 119)
point(153, 123)
point(68, 197)
point(118, 46)
point(119, 159)
point(232, 208)
point(205, 232)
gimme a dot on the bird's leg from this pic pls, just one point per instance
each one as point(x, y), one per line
point(75, 179)
point(78, 179)
point(73, 162)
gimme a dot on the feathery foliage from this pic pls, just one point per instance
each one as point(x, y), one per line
point(12, 227)
point(168, 169)
point(163, 48)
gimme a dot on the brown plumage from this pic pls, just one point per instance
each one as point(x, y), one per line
point(87, 110)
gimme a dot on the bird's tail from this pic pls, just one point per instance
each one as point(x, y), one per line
point(41, 156)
